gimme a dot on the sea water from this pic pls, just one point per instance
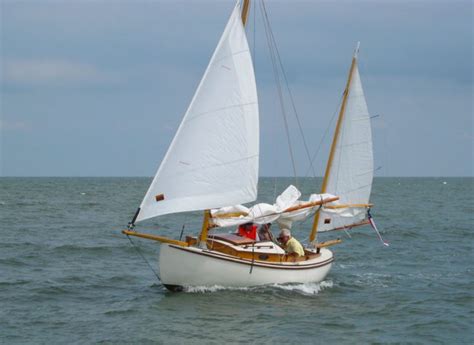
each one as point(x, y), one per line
point(68, 275)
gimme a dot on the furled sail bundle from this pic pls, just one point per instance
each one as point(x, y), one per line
point(213, 158)
point(286, 210)
point(351, 168)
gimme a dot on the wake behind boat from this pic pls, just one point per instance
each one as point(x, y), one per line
point(212, 165)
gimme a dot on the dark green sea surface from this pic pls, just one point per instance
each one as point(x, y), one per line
point(67, 274)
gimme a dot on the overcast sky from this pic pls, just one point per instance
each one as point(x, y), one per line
point(98, 88)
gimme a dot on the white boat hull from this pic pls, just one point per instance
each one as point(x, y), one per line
point(189, 266)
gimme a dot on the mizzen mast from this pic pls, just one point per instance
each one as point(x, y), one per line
point(335, 140)
point(245, 11)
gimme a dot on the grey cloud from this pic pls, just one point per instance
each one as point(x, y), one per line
point(50, 72)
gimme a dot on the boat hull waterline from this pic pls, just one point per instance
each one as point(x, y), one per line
point(182, 267)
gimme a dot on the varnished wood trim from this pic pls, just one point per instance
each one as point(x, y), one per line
point(155, 238)
point(348, 206)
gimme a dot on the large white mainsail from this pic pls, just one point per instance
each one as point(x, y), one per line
point(352, 169)
point(213, 158)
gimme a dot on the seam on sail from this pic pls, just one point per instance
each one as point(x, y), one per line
point(365, 118)
point(214, 165)
point(216, 110)
point(365, 172)
point(354, 144)
point(231, 55)
point(353, 190)
point(356, 96)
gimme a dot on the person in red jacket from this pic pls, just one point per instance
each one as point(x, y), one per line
point(248, 230)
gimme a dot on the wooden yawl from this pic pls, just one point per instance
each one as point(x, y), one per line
point(212, 165)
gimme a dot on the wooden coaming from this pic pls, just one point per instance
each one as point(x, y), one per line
point(222, 247)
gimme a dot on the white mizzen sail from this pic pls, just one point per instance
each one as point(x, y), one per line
point(213, 158)
point(352, 168)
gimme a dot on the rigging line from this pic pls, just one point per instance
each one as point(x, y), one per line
point(274, 187)
point(347, 233)
point(279, 90)
point(254, 37)
point(143, 257)
point(285, 78)
point(325, 134)
point(278, 85)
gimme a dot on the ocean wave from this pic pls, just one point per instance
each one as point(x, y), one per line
point(126, 311)
point(88, 248)
point(12, 262)
point(15, 282)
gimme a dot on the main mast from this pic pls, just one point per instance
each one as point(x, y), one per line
point(245, 11)
point(207, 213)
point(335, 140)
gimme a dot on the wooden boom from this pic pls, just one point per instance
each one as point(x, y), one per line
point(311, 204)
point(155, 238)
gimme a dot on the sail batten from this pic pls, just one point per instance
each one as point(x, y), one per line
point(213, 159)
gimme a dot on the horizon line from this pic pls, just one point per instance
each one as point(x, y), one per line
point(292, 177)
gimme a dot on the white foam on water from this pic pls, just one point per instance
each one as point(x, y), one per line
point(306, 288)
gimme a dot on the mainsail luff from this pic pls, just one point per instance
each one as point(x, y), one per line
point(349, 171)
point(213, 158)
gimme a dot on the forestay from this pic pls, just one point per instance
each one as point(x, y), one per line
point(352, 169)
point(213, 158)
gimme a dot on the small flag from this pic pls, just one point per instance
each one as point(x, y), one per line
point(372, 223)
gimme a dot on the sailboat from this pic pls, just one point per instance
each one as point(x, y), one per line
point(212, 166)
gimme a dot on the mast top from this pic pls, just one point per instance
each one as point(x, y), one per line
point(356, 50)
